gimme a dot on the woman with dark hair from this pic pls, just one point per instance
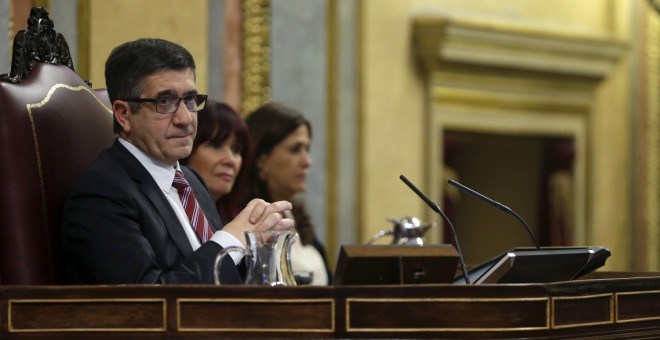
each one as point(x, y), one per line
point(219, 155)
point(282, 137)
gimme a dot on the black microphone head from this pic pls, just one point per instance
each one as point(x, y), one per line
point(421, 195)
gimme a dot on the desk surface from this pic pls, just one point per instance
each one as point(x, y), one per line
point(604, 306)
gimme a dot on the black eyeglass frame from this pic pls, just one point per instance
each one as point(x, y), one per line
point(197, 98)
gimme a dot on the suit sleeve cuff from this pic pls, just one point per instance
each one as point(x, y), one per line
point(225, 240)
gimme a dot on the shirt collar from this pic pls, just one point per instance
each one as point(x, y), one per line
point(162, 173)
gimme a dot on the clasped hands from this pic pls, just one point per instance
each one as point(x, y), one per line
point(260, 215)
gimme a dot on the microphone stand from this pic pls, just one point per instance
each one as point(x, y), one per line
point(437, 209)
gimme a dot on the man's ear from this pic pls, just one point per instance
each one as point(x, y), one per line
point(122, 110)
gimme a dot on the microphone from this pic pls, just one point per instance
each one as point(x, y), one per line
point(445, 218)
point(499, 206)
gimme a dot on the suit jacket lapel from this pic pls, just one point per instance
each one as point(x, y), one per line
point(151, 190)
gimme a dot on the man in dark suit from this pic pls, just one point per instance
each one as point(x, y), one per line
point(131, 217)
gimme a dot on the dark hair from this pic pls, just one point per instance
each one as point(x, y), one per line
point(269, 125)
point(272, 123)
point(131, 62)
point(215, 123)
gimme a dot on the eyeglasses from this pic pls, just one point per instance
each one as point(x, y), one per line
point(167, 105)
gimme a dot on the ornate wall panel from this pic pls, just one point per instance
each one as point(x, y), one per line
point(509, 80)
point(255, 72)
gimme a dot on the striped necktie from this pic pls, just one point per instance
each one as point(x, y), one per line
point(192, 208)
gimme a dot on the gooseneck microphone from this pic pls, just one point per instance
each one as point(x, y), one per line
point(497, 205)
point(445, 218)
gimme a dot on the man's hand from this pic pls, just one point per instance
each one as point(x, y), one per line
point(260, 215)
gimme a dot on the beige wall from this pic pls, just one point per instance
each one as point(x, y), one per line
point(609, 215)
point(113, 22)
point(393, 112)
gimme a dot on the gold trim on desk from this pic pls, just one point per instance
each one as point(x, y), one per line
point(618, 304)
point(611, 313)
point(330, 302)
point(349, 328)
point(15, 302)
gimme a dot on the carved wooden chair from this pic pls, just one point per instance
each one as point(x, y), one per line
point(52, 126)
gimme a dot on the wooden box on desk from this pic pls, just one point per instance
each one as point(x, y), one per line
point(395, 264)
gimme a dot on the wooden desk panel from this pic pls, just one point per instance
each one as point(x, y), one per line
point(611, 308)
point(256, 315)
point(183, 311)
point(446, 314)
point(73, 315)
point(569, 311)
point(638, 306)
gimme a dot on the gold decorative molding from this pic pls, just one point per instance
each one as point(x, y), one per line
point(255, 55)
point(438, 40)
point(506, 101)
point(504, 78)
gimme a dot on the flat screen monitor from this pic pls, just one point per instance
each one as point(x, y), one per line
point(531, 265)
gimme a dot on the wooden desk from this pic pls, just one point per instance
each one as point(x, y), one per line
point(614, 307)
